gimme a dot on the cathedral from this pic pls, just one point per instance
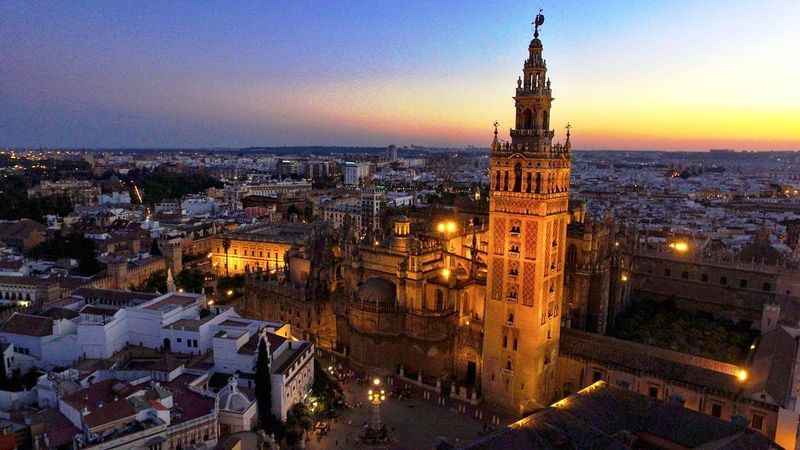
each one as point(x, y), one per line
point(471, 302)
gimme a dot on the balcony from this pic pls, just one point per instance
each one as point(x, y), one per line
point(534, 91)
point(514, 132)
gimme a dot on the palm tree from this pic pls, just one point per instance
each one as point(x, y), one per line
point(226, 245)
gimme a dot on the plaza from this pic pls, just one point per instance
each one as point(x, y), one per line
point(413, 423)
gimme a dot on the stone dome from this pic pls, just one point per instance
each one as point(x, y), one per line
point(536, 43)
point(231, 399)
point(378, 291)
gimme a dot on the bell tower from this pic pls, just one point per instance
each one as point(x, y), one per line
point(528, 215)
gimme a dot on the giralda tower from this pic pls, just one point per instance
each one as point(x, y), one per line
point(529, 183)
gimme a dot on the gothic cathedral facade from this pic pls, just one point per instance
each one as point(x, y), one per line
point(528, 216)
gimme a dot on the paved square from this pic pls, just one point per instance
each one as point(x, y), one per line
point(414, 424)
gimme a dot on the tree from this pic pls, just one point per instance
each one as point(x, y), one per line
point(73, 245)
point(190, 280)
point(156, 282)
point(298, 422)
point(226, 245)
point(266, 419)
point(155, 250)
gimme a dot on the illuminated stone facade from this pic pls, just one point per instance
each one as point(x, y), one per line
point(414, 301)
point(528, 216)
point(258, 248)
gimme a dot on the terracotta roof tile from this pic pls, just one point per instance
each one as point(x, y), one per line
point(28, 325)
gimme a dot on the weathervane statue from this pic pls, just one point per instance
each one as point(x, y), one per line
point(537, 22)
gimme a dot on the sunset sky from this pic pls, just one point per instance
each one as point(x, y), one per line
point(682, 75)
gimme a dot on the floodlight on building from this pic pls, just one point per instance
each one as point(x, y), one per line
point(741, 375)
point(679, 246)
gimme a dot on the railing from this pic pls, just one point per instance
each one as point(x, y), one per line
point(530, 91)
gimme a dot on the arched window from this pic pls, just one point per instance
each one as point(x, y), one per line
point(572, 256)
point(538, 182)
point(527, 119)
point(545, 120)
point(508, 365)
point(497, 181)
point(439, 300)
point(505, 181)
point(528, 183)
point(518, 177)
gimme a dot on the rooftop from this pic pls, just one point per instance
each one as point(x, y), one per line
point(28, 325)
point(292, 233)
point(171, 301)
point(602, 416)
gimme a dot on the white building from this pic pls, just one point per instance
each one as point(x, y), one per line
point(198, 205)
point(170, 324)
point(115, 198)
point(355, 172)
point(399, 199)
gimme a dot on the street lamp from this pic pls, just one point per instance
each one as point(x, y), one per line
point(376, 396)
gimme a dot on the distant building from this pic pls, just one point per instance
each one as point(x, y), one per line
point(317, 170)
point(372, 204)
point(115, 198)
point(22, 234)
point(354, 173)
point(79, 192)
point(391, 153)
point(289, 168)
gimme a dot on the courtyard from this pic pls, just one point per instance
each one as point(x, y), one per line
point(413, 423)
point(663, 325)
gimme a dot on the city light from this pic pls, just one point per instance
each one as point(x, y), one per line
point(679, 246)
point(376, 381)
point(230, 292)
point(446, 273)
point(624, 278)
point(741, 375)
point(447, 226)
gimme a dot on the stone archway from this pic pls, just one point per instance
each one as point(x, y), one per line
point(468, 366)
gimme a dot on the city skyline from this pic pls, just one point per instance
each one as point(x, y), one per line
point(628, 77)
